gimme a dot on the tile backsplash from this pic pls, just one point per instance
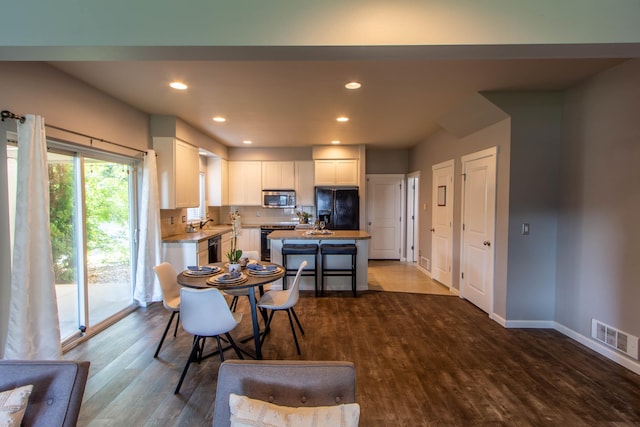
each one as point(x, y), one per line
point(173, 221)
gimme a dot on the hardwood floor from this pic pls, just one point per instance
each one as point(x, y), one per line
point(421, 360)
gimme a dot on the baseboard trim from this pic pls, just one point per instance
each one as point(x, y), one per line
point(632, 365)
point(614, 356)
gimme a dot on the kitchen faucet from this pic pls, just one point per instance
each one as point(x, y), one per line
point(203, 223)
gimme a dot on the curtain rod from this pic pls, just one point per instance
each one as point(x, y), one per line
point(6, 114)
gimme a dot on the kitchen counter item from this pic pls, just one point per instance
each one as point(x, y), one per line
point(304, 235)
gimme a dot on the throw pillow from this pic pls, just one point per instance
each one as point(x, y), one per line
point(247, 412)
point(13, 403)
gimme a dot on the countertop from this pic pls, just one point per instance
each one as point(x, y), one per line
point(335, 235)
point(199, 235)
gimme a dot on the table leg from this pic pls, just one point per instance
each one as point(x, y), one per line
point(256, 327)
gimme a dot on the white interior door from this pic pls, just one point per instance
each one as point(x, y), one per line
point(384, 210)
point(413, 203)
point(478, 228)
point(442, 222)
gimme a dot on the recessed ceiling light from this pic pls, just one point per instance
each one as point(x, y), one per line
point(343, 119)
point(219, 119)
point(335, 141)
point(353, 85)
point(178, 85)
point(246, 141)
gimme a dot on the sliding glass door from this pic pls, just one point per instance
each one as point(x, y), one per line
point(92, 206)
point(108, 236)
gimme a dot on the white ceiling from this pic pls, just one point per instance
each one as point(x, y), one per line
point(294, 103)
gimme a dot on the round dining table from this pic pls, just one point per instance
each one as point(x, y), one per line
point(205, 282)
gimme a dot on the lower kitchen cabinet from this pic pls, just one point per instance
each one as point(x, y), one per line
point(249, 239)
point(226, 245)
point(182, 254)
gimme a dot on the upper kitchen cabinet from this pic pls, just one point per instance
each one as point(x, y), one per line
point(178, 173)
point(304, 183)
point(336, 172)
point(278, 175)
point(245, 183)
point(217, 181)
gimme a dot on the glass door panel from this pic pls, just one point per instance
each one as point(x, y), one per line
point(108, 237)
point(62, 209)
point(91, 206)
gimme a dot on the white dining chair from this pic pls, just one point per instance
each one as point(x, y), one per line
point(166, 275)
point(285, 300)
point(205, 314)
point(235, 293)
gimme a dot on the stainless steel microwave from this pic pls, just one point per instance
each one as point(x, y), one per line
point(278, 199)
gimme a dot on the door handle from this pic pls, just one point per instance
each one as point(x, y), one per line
point(433, 230)
point(486, 243)
point(369, 222)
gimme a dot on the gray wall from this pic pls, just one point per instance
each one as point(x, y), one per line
point(442, 147)
point(598, 266)
point(387, 161)
point(533, 199)
point(38, 88)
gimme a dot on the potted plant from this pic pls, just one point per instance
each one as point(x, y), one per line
point(303, 217)
point(234, 254)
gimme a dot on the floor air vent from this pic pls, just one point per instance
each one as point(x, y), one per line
point(621, 341)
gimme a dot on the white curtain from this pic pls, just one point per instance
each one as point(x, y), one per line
point(147, 288)
point(34, 331)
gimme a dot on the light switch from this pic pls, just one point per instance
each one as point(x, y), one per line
point(525, 229)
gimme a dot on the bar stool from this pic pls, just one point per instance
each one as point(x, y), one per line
point(300, 249)
point(339, 249)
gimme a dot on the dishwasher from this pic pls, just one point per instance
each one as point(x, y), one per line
point(215, 249)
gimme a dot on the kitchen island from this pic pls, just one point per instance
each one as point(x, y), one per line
point(358, 237)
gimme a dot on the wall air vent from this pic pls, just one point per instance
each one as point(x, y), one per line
point(614, 338)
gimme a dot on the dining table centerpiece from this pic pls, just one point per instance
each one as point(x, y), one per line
point(234, 254)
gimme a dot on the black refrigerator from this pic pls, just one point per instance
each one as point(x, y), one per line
point(338, 207)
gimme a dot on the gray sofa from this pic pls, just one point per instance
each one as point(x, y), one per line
point(287, 383)
point(58, 387)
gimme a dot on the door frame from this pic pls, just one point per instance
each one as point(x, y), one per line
point(413, 226)
point(489, 152)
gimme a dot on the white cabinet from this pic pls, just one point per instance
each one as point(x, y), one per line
point(249, 239)
point(336, 172)
point(278, 175)
point(178, 173)
point(225, 245)
point(304, 183)
point(245, 183)
point(217, 182)
point(182, 254)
